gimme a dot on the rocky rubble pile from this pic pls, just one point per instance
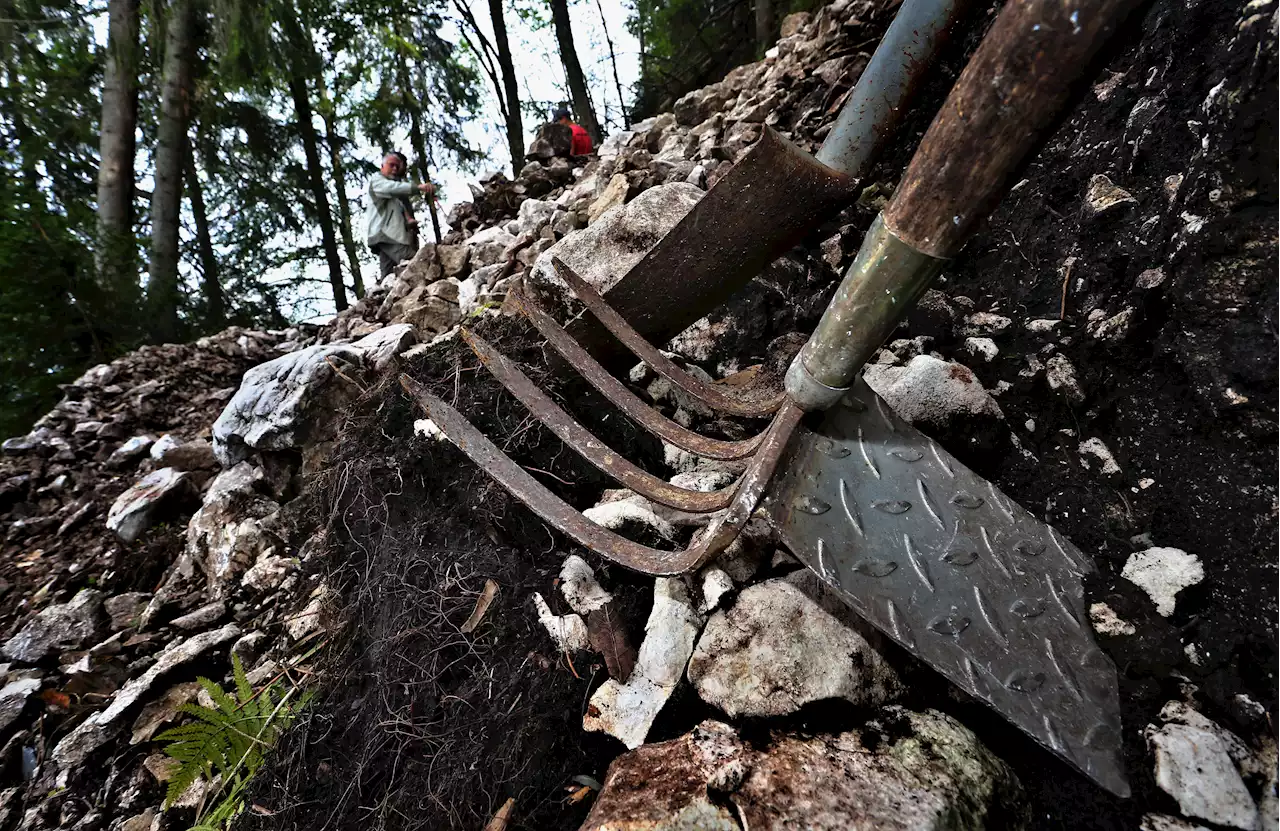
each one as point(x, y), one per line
point(159, 519)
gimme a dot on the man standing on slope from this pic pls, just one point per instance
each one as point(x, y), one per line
point(387, 229)
point(581, 139)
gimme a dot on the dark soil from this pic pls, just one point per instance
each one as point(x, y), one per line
point(418, 724)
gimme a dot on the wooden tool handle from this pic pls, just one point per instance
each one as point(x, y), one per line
point(1011, 89)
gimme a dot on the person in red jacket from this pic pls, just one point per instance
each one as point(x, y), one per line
point(581, 139)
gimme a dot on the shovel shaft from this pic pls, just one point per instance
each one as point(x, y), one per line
point(1011, 89)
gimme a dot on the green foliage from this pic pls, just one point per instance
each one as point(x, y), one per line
point(227, 742)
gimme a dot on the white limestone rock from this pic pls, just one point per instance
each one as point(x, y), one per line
point(285, 403)
point(626, 711)
point(151, 498)
point(569, 632)
point(932, 391)
point(579, 587)
point(1162, 573)
point(606, 249)
point(1106, 622)
point(1194, 767)
point(776, 649)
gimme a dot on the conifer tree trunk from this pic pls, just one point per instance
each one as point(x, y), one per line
point(115, 252)
point(765, 26)
point(301, 96)
point(515, 128)
point(418, 139)
point(215, 302)
point(333, 141)
point(163, 292)
point(573, 69)
point(613, 60)
point(344, 205)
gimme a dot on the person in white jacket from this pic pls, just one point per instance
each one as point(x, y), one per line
point(387, 230)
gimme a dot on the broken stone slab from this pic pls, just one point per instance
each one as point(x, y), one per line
point(631, 518)
point(1097, 450)
point(58, 628)
point(1194, 766)
point(186, 456)
point(1162, 822)
point(453, 259)
point(1109, 624)
point(431, 309)
point(268, 573)
point(569, 632)
point(1061, 375)
point(226, 536)
point(1114, 328)
point(285, 403)
point(932, 392)
point(13, 699)
point(1162, 573)
point(984, 348)
point(163, 710)
point(303, 623)
point(158, 494)
point(100, 727)
point(903, 771)
point(613, 195)
point(201, 618)
point(776, 649)
point(1103, 195)
point(606, 249)
point(716, 583)
point(489, 246)
point(130, 452)
point(980, 324)
point(380, 348)
point(125, 609)
point(626, 711)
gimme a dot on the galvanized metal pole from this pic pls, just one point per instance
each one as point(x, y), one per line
point(870, 115)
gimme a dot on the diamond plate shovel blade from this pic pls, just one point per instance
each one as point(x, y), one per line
point(956, 572)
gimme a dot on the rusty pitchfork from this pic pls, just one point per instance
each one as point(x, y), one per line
point(930, 553)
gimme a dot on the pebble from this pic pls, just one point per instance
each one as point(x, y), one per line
point(1162, 573)
point(1104, 195)
point(1061, 376)
point(1106, 622)
point(1096, 449)
point(984, 348)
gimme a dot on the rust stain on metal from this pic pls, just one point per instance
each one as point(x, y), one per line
point(750, 403)
point(627, 401)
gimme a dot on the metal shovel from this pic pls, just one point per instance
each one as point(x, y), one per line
point(929, 552)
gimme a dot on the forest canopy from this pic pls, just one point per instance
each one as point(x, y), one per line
point(172, 167)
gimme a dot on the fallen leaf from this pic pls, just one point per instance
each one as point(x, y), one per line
point(608, 636)
point(482, 605)
point(500, 819)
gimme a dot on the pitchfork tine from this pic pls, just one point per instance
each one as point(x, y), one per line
point(716, 537)
point(661, 364)
point(627, 401)
point(585, 443)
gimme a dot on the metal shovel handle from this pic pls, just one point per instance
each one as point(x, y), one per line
point(1012, 87)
